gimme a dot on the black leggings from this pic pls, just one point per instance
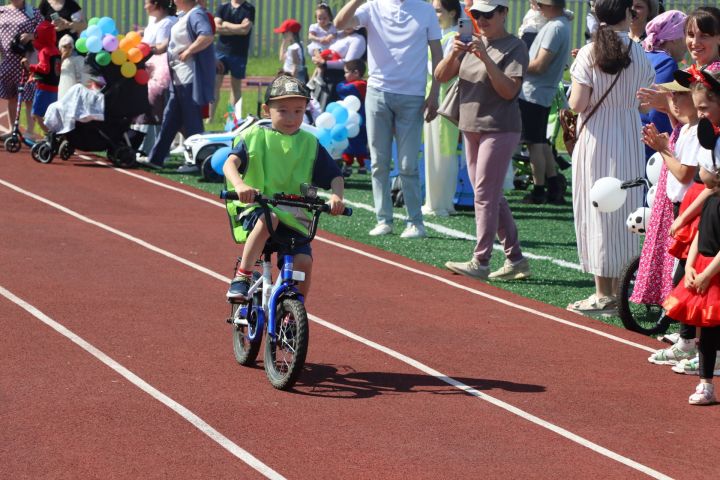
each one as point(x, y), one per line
point(708, 347)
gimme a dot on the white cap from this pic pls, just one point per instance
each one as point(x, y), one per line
point(488, 5)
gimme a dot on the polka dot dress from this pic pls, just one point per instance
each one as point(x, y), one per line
point(13, 22)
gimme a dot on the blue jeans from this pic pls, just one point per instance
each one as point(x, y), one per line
point(400, 115)
point(181, 113)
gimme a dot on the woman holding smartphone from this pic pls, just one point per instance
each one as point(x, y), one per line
point(66, 15)
point(490, 69)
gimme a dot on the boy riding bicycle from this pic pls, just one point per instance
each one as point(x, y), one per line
point(277, 160)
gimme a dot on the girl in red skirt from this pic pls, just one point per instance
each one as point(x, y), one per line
point(696, 301)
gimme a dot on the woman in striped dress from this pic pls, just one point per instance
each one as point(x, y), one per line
point(609, 145)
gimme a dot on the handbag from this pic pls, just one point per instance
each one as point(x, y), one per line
point(450, 107)
point(569, 119)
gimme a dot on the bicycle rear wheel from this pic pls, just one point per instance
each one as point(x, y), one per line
point(245, 351)
point(648, 319)
point(285, 355)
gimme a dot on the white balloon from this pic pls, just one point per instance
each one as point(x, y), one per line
point(325, 120)
point(650, 196)
point(606, 195)
point(353, 129)
point(352, 103)
point(310, 128)
point(637, 221)
point(653, 167)
point(353, 117)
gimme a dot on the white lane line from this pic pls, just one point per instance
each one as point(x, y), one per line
point(181, 410)
point(388, 351)
point(416, 271)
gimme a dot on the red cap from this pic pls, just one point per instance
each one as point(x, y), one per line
point(289, 25)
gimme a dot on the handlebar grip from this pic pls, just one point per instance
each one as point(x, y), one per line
point(228, 195)
point(347, 212)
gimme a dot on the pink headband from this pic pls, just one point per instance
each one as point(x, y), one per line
point(665, 27)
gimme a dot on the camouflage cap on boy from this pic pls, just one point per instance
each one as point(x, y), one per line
point(286, 86)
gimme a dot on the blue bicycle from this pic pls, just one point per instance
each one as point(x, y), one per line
point(277, 309)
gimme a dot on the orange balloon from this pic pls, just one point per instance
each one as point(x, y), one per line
point(125, 45)
point(134, 38)
point(134, 55)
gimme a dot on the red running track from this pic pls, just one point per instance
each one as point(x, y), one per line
point(587, 405)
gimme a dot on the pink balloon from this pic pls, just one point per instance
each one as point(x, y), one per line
point(110, 43)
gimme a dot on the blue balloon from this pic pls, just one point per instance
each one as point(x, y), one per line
point(341, 115)
point(325, 137)
point(83, 34)
point(331, 107)
point(107, 25)
point(217, 161)
point(94, 31)
point(93, 44)
point(339, 133)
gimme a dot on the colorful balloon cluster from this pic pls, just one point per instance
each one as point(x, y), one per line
point(337, 123)
point(102, 40)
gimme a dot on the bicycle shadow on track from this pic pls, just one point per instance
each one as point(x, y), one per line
point(333, 381)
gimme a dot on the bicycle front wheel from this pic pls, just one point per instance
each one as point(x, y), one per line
point(285, 355)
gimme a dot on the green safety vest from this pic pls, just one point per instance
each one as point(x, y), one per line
point(277, 163)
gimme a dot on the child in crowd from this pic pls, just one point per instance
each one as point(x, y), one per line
point(46, 72)
point(655, 275)
point(72, 67)
point(323, 33)
point(533, 21)
point(355, 85)
point(291, 50)
point(272, 160)
point(695, 302)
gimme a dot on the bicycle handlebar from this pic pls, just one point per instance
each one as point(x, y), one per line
point(635, 183)
point(310, 204)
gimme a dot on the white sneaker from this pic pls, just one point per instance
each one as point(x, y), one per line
point(381, 229)
point(672, 355)
point(704, 395)
point(147, 163)
point(188, 168)
point(692, 366)
point(179, 150)
point(413, 231)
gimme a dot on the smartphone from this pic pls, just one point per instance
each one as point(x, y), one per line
point(465, 29)
point(54, 16)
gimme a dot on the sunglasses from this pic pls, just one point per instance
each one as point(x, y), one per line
point(486, 15)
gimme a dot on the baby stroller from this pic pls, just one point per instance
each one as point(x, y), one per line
point(521, 160)
point(125, 99)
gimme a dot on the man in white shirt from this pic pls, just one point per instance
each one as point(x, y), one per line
point(399, 33)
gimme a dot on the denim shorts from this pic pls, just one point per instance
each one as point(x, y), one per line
point(41, 102)
point(234, 64)
point(285, 233)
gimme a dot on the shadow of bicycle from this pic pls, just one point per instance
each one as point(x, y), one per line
point(321, 380)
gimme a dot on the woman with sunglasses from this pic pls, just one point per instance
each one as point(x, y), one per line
point(604, 75)
point(490, 69)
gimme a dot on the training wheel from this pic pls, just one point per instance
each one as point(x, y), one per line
point(44, 152)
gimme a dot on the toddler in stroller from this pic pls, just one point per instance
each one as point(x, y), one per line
point(96, 119)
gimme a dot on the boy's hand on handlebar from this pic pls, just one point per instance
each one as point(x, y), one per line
point(337, 207)
point(246, 194)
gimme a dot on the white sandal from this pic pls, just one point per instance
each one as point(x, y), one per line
point(594, 304)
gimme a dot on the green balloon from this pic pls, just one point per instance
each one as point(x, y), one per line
point(80, 45)
point(102, 58)
point(93, 21)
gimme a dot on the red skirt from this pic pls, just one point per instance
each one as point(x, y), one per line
point(684, 235)
point(688, 306)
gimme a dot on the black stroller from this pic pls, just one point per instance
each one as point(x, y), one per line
point(125, 100)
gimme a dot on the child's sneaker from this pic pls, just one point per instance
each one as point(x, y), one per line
point(239, 288)
point(692, 366)
point(704, 395)
point(671, 356)
point(346, 171)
